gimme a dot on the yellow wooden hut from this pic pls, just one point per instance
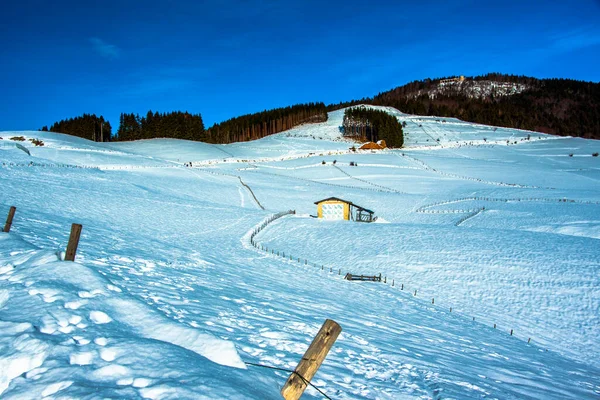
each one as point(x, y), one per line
point(333, 208)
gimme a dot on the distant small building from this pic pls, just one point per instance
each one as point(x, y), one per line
point(457, 79)
point(333, 208)
point(370, 146)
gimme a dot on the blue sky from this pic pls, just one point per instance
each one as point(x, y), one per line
point(226, 58)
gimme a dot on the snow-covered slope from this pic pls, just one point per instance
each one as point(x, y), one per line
point(168, 298)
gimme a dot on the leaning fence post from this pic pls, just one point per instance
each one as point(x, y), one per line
point(311, 361)
point(73, 242)
point(9, 219)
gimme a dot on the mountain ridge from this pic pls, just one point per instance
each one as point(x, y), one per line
point(557, 106)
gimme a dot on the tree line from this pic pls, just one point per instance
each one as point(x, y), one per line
point(367, 124)
point(176, 125)
point(261, 124)
point(183, 125)
point(555, 106)
point(87, 126)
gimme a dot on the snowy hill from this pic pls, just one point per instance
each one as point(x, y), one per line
point(483, 230)
point(556, 106)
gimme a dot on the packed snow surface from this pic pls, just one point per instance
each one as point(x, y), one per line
point(487, 242)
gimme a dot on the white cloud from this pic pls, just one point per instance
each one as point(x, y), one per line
point(105, 49)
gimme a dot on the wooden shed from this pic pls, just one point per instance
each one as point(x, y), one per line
point(333, 208)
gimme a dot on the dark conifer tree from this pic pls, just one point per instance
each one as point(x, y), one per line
point(258, 125)
point(176, 125)
point(367, 124)
point(86, 126)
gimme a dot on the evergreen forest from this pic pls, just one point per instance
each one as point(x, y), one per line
point(557, 106)
point(258, 125)
point(87, 126)
point(176, 125)
point(366, 124)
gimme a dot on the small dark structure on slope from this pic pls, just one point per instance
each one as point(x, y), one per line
point(372, 278)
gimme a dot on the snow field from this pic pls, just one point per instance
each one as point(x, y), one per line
point(166, 280)
point(78, 320)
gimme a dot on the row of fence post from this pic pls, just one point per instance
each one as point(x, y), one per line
point(73, 237)
point(308, 365)
point(282, 254)
point(294, 387)
point(424, 208)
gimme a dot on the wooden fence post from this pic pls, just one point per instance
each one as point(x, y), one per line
point(9, 219)
point(73, 242)
point(311, 361)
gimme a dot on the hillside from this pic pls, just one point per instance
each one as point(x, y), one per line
point(557, 106)
point(487, 238)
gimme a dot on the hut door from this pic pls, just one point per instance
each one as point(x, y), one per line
point(333, 211)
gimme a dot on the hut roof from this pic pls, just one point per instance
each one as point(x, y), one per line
point(370, 146)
